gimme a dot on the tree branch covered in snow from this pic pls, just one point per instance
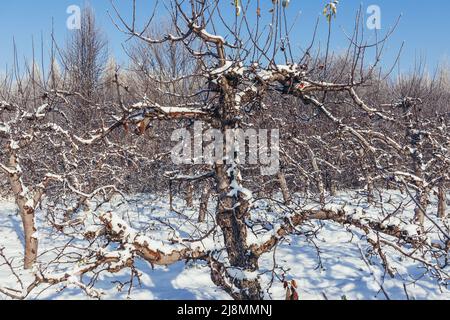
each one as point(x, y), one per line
point(79, 144)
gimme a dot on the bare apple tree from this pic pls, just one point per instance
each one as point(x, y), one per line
point(345, 125)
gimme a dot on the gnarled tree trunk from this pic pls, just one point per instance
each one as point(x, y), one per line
point(27, 214)
point(231, 215)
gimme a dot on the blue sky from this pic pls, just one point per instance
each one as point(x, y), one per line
point(425, 25)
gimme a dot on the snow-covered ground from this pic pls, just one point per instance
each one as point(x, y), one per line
point(338, 272)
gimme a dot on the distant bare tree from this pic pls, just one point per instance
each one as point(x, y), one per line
point(85, 56)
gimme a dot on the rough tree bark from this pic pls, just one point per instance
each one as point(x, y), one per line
point(333, 187)
point(189, 195)
point(442, 202)
point(233, 208)
point(284, 188)
point(416, 142)
point(206, 193)
point(317, 175)
point(422, 200)
point(231, 215)
point(27, 213)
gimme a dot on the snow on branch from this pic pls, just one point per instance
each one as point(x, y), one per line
point(156, 252)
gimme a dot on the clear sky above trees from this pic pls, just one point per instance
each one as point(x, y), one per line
point(424, 25)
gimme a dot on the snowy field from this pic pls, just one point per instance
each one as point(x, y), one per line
point(341, 269)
